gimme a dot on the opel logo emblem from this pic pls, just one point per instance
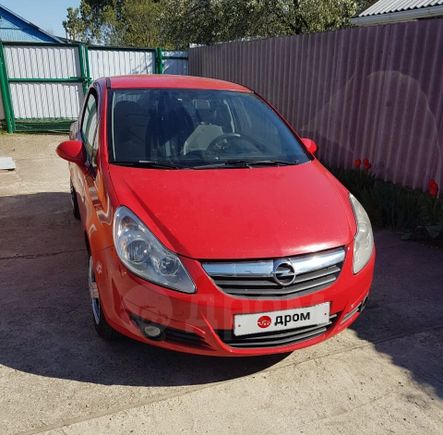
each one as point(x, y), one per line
point(284, 272)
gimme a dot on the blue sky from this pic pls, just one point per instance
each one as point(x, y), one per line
point(46, 14)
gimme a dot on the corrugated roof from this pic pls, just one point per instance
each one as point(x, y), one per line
point(18, 35)
point(15, 28)
point(389, 6)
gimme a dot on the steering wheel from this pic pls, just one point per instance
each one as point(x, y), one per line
point(216, 146)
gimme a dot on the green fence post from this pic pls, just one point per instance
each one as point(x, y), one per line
point(158, 61)
point(88, 71)
point(83, 73)
point(6, 93)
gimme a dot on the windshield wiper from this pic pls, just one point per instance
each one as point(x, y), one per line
point(273, 162)
point(233, 163)
point(245, 164)
point(150, 164)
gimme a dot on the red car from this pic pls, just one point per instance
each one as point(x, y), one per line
point(210, 225)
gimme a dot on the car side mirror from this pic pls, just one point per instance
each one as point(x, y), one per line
point(72, 151)
point(310, 145)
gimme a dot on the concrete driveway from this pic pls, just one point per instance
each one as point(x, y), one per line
point(56, 376)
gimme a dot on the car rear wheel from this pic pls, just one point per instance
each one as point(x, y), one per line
point(102, 327)
point(75, 209)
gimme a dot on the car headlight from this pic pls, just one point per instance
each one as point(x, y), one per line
point(143, 254)
point(363, 240)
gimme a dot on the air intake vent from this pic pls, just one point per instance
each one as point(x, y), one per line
point(276, 338)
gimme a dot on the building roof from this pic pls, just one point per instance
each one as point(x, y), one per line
point(391, 11)
point(388, 6)
point(16, 29)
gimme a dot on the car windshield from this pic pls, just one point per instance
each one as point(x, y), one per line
point(190, 128)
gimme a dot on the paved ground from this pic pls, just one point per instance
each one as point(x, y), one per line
point(56, 376)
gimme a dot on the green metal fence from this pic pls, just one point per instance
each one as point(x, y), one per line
point(43, 85)
point(6, 93)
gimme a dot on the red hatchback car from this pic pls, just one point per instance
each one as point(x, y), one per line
point(211, 227)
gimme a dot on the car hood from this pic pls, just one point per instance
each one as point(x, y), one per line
point(239, 213)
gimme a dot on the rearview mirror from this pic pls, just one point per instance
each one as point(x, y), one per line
point(72, 151)
point(310, 145)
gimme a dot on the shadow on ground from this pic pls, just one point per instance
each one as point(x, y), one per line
point(404, 317)
point(46, 329)
point(45, 323)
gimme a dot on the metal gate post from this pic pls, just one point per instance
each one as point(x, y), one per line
point(158, 61)
point(6, 93)
point(88, 71)
point(83, 68)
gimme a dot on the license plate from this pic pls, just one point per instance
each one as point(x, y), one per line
point(245, 324)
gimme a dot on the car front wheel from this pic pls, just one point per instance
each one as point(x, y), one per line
point(102, 327)
point(74, 203)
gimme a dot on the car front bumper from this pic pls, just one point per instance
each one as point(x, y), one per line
point(202, 322)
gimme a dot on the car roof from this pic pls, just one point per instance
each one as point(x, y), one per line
point(172, 82)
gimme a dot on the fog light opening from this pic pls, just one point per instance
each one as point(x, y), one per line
point(152, 331)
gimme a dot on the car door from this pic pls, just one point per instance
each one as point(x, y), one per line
point(95, 204)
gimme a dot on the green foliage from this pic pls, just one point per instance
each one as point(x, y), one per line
point(211, 21)
point(116, 22)
point(178, 23)
point(415, 213)
point(74, 25)
point(138, 24)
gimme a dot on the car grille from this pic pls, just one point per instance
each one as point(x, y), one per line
point(276, 338)
point(271, 278)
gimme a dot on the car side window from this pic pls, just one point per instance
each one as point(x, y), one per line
point(89, 129)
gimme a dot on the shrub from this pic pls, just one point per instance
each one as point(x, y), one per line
point(415, 213)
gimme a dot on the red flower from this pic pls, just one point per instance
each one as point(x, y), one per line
point(357, 163)
point(433, 188)
point(366, 163)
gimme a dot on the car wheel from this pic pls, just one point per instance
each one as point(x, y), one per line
point(102, 327)
point(75, 209)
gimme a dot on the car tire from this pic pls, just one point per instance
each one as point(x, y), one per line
point(74, 202)
point(102, 327)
